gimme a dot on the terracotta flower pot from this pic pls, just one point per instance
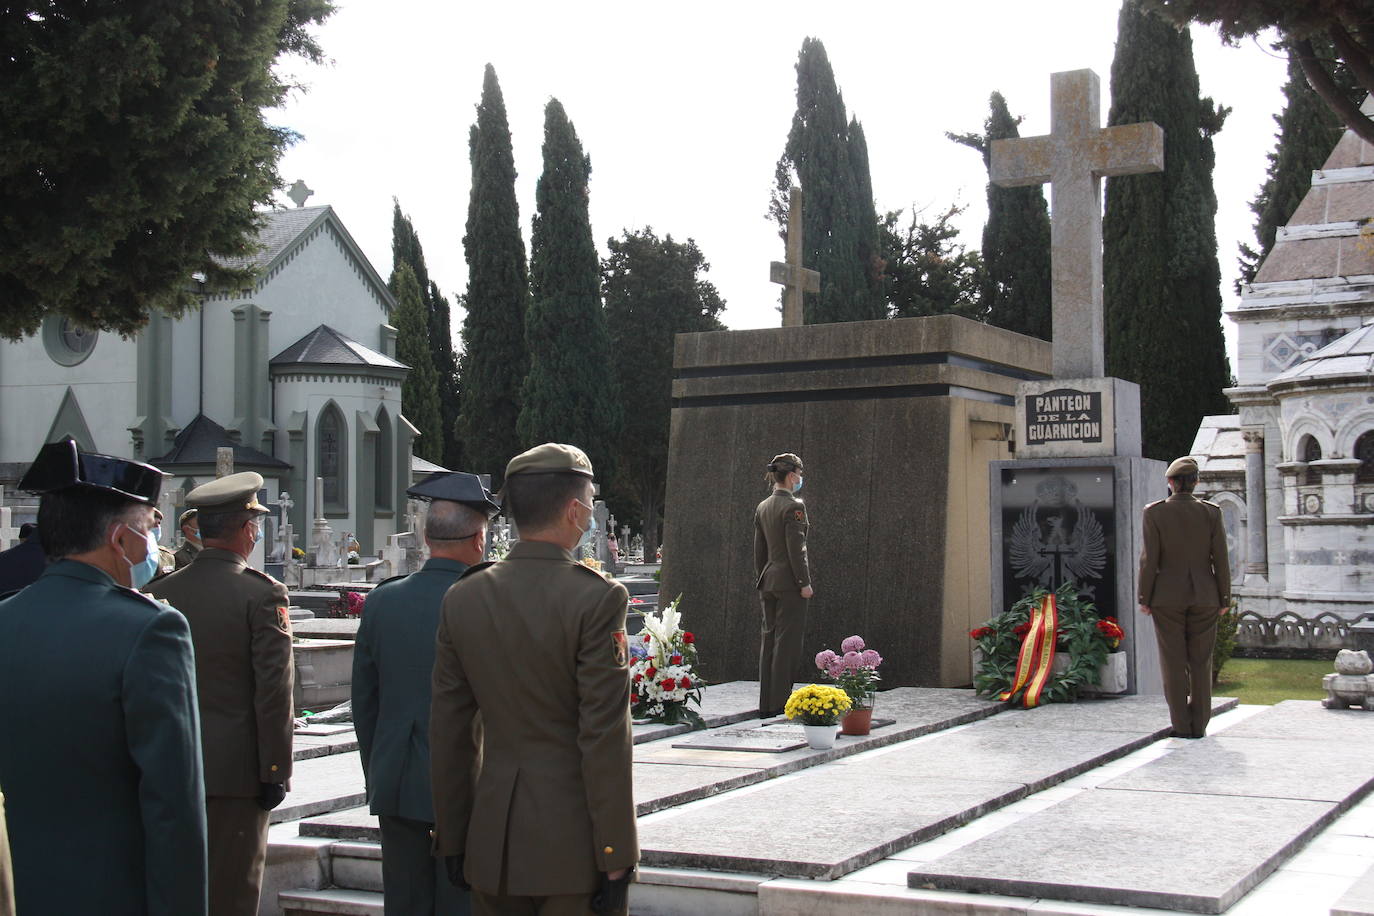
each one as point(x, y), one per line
point(857, 721)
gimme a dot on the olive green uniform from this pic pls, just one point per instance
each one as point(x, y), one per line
point(242, 635)
point(185, 554)
point(782, 570)
point(1185, 579)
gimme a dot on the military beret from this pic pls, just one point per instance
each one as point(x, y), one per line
point(550, 458)
point(785, 462)
point(1181, 467)
point(232, 493)
point(457, 487)
point(61, 466)
point(187, 517)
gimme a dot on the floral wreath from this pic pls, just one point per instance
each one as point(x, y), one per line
point(1082, 632)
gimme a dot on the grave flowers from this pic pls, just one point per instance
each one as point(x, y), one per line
point(348, 604)
point(819, 707)
point(855, 671)
point(663, 671)
point(1017, 649)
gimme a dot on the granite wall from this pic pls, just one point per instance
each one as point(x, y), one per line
point(896, 421)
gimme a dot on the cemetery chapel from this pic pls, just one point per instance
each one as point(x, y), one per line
point(296, 374)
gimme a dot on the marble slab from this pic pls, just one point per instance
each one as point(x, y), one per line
point(1358, 900)
point(321, 785)
point(721, 704)
point(350, 824)
point(665, 785)
point(1136, 714)
point(1308, 720)
point(773, 739)
point(1168, 850)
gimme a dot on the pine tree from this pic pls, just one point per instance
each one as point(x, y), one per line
point(654, 290)
point(420, 393)
point(570, 394)
point(494, 357)
point(1162, 283)
point(927, 272)
point(839, 223)
point(1308, 131)
point(1016, 239)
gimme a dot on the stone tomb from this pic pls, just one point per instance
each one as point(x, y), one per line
point(896, 421)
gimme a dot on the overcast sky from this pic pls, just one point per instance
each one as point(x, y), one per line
point(684, 111)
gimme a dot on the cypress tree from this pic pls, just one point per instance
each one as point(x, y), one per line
point(1016, 238)
point(494, 358)
point(570, 393)
point(420, 392)
point(839, 223)
point(1162, 283)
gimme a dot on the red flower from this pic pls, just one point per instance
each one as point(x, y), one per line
point(684, 682)
point(675, 660)
point(638, 678)
point(646, 637)
point(651, 672)
point(688, 638)
point(669, 684)
point(980, 632)
point(1022, 630)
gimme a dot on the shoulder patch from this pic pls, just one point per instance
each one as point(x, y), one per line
point(621, 648)
point(284, 618)
point(477, 568)
point(798, 515)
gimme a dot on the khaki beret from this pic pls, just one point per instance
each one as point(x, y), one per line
point(188, 516)
point(1181, 467)
point(234, 493)
point(785, 462)
point(550, 458)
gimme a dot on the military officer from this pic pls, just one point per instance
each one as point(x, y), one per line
point(166, 560)
point(783, 578)
point(242, 635)
point(100, 758)
point(1185, 581)
point(393, 658)
point(190, 544)
point(536, 644)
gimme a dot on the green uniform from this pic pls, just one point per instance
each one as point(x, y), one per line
point(100, 758)
point(393, 660)
point(185, 554)
point(782, 570)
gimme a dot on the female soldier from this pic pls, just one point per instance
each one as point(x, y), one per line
point(784, 581)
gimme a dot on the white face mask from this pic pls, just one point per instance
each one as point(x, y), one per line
point(142, 572)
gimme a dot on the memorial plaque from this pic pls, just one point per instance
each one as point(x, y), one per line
point(1059, 524)
point(1064, 415)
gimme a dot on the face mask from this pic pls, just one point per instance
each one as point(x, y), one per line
point(796, 487)
point(140, 574)
point(586, 539)
point(257, 534)
point(194, 536)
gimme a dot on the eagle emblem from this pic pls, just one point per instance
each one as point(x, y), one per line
point(1064, 531)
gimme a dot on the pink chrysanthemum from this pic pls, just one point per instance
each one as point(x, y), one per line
point(852, 644)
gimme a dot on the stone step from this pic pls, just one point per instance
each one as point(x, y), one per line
point(321, 785)
point(357, 866)
point(826, 822)
point(1195, 830)
point(331, 902)
point(1359, 899)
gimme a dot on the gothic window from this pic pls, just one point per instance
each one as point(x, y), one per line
point(1364, 453)
point(383, 484)
point(1311, 451)
point(331, 436)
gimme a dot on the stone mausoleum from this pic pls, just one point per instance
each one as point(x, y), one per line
point(1293, 470)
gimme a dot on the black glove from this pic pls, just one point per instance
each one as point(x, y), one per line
point(454, 864)
point(612, 896)
point(270, 794)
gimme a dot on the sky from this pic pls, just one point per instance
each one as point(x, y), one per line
point(684, 110)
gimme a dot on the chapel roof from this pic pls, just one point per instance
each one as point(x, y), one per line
point(199, 442)
point(326, 346)
point(279, 229)
point(1347, 357)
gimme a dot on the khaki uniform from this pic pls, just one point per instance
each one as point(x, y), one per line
point(542, 802)
point(782, 570)
point(1185, 579)
point(185, 554)
point(244, 674)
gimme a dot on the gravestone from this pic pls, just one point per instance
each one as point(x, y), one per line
point(601, 551)
point(1068, 507)
point(322, 538)
point(169, 504)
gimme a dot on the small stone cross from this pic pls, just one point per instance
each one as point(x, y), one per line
point(224, 461)
point(1074, 157)
point(795, 278)
point(299, 193)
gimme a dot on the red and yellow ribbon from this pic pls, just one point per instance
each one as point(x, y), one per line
point(1036, 659)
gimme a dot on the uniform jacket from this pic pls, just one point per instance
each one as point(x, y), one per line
point(185, 554)
point(780, 560)
point(1184, 563)
point(536, 643)
point(100, 758)
point(244, 669)
point(393, 661)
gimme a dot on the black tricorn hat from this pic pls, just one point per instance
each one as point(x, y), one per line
point(61, 465)
point(458, 487)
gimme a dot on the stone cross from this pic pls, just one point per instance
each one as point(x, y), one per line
point(224, 461)
point(299, 193)
point(795, 278)
point(1074, 157)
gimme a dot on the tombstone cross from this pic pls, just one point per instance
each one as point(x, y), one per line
point(224, 461)
point(1074, 157)
point(795, 278)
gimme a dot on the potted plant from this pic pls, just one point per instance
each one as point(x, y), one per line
point(819, 707)
point(855, 671)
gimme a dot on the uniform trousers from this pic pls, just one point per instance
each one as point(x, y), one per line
point(780, 643)
point(414, 881)
point(1186, 636)
point(237, 834)
point(556, 905)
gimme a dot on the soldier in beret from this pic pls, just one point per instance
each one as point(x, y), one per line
point(783, 578)
point(1185, 581)
point(190, 544)
point(393, 658)
point(537, 813)
point(100, 758)
point(242, 634)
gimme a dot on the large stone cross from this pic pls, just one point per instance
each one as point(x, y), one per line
point(1074, 157)
point(795, 278)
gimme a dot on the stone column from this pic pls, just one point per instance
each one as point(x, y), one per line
point(1256, 526)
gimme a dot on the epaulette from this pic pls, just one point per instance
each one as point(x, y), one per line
point(141, 596)
point(262, 575)
point(391, 579)
point(472, 569)
point(1153, 504)
point(602, 576)
point(1216, 506)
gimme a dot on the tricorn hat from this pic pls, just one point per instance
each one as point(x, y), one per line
point(61, 466)
point(457, 487)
